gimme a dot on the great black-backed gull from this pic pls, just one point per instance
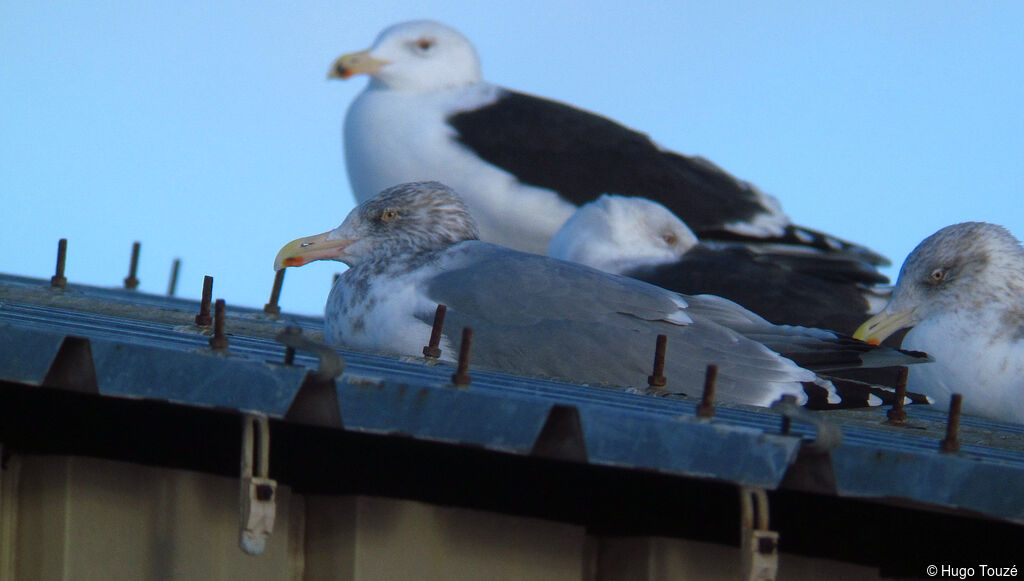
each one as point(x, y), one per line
point(642, 239)
point(962, 291)
point(525, 163)
point(415, 246)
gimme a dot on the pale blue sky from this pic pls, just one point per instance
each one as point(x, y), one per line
point(207, 130)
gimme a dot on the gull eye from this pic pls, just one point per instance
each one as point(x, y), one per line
point(388, 215)
point(424, 44)
point(938, 275)
point(669, 239)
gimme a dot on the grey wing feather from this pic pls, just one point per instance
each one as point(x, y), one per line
point(816, 349)
point(569, 321)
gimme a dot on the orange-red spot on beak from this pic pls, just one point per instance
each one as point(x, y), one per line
point(355, 63)
point(311, 248)
point(340, 71)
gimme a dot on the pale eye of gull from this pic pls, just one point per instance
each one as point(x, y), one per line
point(388, 215)
point(938, 275)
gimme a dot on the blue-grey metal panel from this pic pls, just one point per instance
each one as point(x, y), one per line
point(26, 355)
point(703, 449)
point(444, 414)
point(949, 480)
point(508, 423)
point(149, 360)
point(195, 378)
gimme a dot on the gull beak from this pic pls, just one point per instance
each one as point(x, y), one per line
point(355, 63)
point(310, 248)
point(885, 323)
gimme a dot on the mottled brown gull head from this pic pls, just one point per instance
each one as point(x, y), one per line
point(405, 219)
point(963, 268)
point(962, 291)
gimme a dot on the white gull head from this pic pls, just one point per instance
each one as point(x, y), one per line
point(414, 56)
point(619, 233)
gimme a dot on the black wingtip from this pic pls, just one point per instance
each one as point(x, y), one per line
point(855, 394)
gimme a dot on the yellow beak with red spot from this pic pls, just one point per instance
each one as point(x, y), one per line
point(885, 323)
point(308, 249)
point(355, 63)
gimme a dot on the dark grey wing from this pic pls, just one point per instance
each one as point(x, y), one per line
point(775, 291)
point(861, 374)
point(535, 315)
point(817, 349)
point(824, 266)
point(581, 155)
point(512, 287)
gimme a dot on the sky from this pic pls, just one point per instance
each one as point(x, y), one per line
point(208, 132)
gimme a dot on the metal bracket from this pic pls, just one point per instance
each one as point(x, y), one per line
point(828, 435)
point(258, 492)
point(759, 547)
point(811, 470)
point(331, 364)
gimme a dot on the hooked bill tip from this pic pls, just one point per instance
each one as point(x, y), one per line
point(340, 71)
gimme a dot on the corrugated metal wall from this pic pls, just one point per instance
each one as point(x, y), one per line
point(72, 518)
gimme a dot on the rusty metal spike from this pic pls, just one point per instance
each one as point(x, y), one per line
point(657, 379)
point(952, 441)
point(219, 341)
point(706, 409)
point(897, 415)
point(203, 319)
point(132, 283)
point(461, 376)
point(58, 280)
point(172, 285)
point(272, 308)
point(431, 349)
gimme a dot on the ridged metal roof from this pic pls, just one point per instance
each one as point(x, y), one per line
point(148, 346)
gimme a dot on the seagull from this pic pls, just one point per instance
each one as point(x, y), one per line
point(642, 239)
point(962, 292)
point(525, 163)
point(416, 245)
